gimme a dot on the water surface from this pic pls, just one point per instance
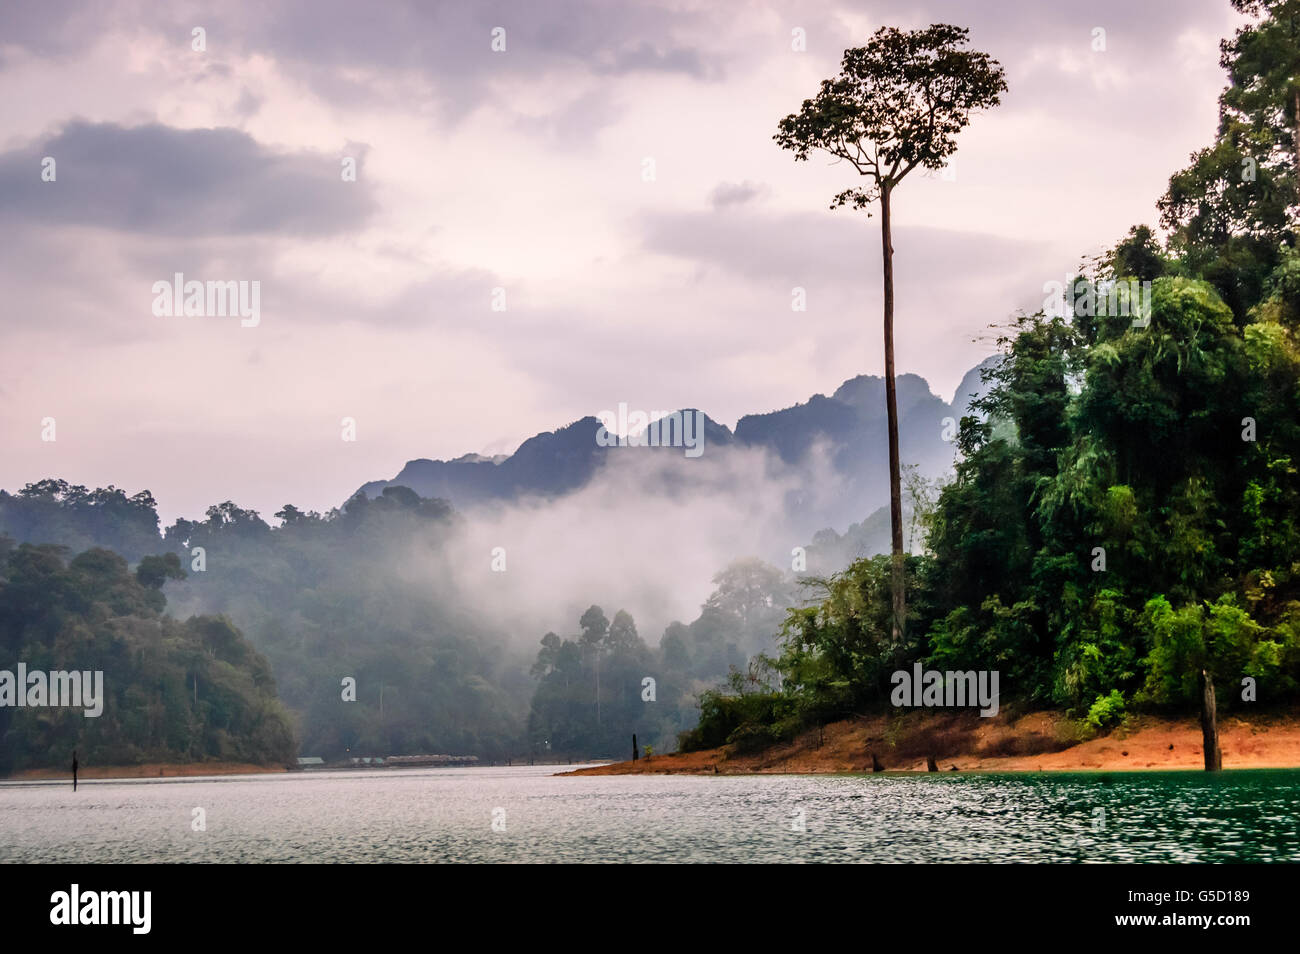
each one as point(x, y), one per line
point(417, 815)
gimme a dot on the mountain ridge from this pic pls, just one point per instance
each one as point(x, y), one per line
point(851, 420)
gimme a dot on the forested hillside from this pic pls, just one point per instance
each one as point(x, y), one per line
point(366, 593)
point(1126, 513)
point(172, 691)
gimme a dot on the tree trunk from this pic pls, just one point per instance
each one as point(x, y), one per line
point(891, 407)
point(1296, 134)
point(1209, 725)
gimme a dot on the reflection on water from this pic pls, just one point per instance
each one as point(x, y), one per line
point(407, 815)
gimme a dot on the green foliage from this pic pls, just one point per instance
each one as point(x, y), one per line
point(78, 518)
point(1218, 637)
point(741, 719)
point(1107, 711)
point(588, 696)
point(1124, 510)
point(173, 691)
point(1232, 210)
point(362, 592)
point(898, 103)
point(589, 692)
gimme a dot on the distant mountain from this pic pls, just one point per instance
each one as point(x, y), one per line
point(846, 430)
point(972, 385)
point(549, 464)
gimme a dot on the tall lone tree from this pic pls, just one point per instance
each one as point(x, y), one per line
point(898, 103)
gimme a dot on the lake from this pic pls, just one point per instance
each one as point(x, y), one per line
point(525, 814)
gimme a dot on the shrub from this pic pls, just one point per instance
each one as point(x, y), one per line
point(1107, 710)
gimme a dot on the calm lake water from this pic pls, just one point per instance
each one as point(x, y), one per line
point(408, 815)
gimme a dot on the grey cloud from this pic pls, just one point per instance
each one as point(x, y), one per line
point(1140, 38)
point(102, 296)
point(333, 44)
point(51, 27)
point(248, 104)
point(803, 246)
point(727, 194)
point(448, 298)
point(570, 126)
point(159, 180)
point(645, 57)
point(447, 43)
point(450, 46)
point(1009, 28)
point(450, 39)
point(949, 278)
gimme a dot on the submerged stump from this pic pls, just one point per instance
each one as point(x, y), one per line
point(1209, 725)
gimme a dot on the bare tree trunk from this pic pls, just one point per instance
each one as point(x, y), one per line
point(1296, 134)
point(891, 406)
point(1210, 725)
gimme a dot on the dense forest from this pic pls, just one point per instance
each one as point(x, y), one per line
point(364, 592)
point(592, 689)
point(172, 691)
point(1125, 508)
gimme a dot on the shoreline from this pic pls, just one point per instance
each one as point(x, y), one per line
point(1036, 742)
point(144, 770)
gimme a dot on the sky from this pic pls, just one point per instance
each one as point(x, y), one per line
point(594, 215)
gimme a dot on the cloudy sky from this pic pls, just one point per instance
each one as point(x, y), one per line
point(523, 170)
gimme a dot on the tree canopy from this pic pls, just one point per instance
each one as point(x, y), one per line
point(897, 103)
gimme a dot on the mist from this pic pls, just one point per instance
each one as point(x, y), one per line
point(647, 534)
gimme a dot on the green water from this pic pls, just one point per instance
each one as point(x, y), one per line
point(448, 814)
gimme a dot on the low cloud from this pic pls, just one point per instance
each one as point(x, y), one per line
point(653, 528)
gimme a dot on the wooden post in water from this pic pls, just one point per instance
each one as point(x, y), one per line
point(1210, 725)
